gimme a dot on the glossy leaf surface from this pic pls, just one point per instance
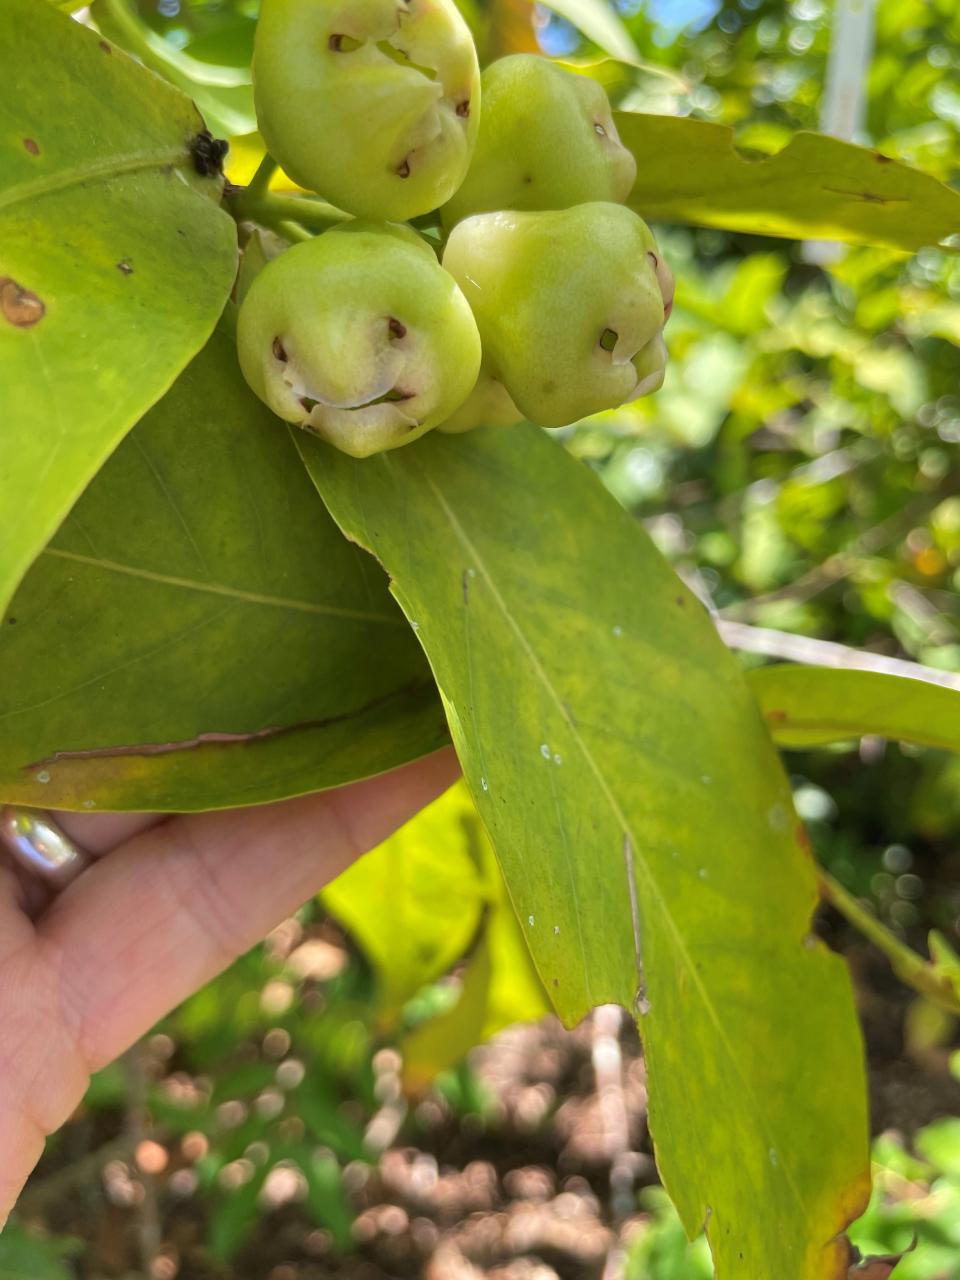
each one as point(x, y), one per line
point(650, 860)
point(199, 634)
point(115, 262)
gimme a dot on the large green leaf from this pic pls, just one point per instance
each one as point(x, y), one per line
point(813, 706)
point(499, 986)
point(691, 171)
point(199, 594)
point(642, 821)
point(414, 903)
point(115, 261)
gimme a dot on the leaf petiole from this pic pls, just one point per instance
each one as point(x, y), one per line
point(936, 979)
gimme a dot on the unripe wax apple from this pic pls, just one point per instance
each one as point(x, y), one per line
point(547, 140)
point(570, 305)
point(372, 103)
point(360, 336)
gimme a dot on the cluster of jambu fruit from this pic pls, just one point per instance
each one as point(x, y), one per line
point(549, 297)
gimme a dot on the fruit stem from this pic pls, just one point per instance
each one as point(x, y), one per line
point(271, 208)
point(261, 179)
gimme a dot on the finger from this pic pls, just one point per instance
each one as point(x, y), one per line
point(98, 833)
point(170, 909)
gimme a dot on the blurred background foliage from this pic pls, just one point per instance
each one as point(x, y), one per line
point(318, 1110)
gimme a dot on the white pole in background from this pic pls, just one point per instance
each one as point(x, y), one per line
point(845, 96)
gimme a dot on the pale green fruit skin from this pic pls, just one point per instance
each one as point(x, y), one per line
point(538, 145)
point(349, 318)
point(487, 405)
point(346, 124)
point(545, 287)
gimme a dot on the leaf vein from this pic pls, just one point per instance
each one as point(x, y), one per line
point(221, 589)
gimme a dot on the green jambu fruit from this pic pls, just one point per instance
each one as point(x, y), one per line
point(359, 336)
point(547, 140)
point(570, 305)
point(487, 405)
point(372, 103)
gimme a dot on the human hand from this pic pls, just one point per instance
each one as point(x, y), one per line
point(85, 973)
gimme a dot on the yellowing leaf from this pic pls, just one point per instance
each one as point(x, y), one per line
point(642, 821)
point(691, 171)
point(813, 706)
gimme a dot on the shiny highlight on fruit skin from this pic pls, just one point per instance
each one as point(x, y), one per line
point(570, 305)
point(374, 104)
point(360, 337)
point(547, 140)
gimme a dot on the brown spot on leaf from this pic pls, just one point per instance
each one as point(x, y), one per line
point(105, 47)
point(396, 328)
point(32, 146)
point(776, 715)
point(125, 268)
point(882, 159)
point(463, 108)
point(20, 306)
point(803, 840)
point(403, 169)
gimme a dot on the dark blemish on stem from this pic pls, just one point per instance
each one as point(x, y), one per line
point(463, 108)
point(882, 159)
point(403, 169)
point(279, 352)
point(105, 47)
point(397, 330)
point(20, 306)
point(598, 128)
point(32, 146)
point(466, 586)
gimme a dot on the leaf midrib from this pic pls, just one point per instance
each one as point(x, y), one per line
point(639, 860)
point(221, 589)
point(92, 171)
